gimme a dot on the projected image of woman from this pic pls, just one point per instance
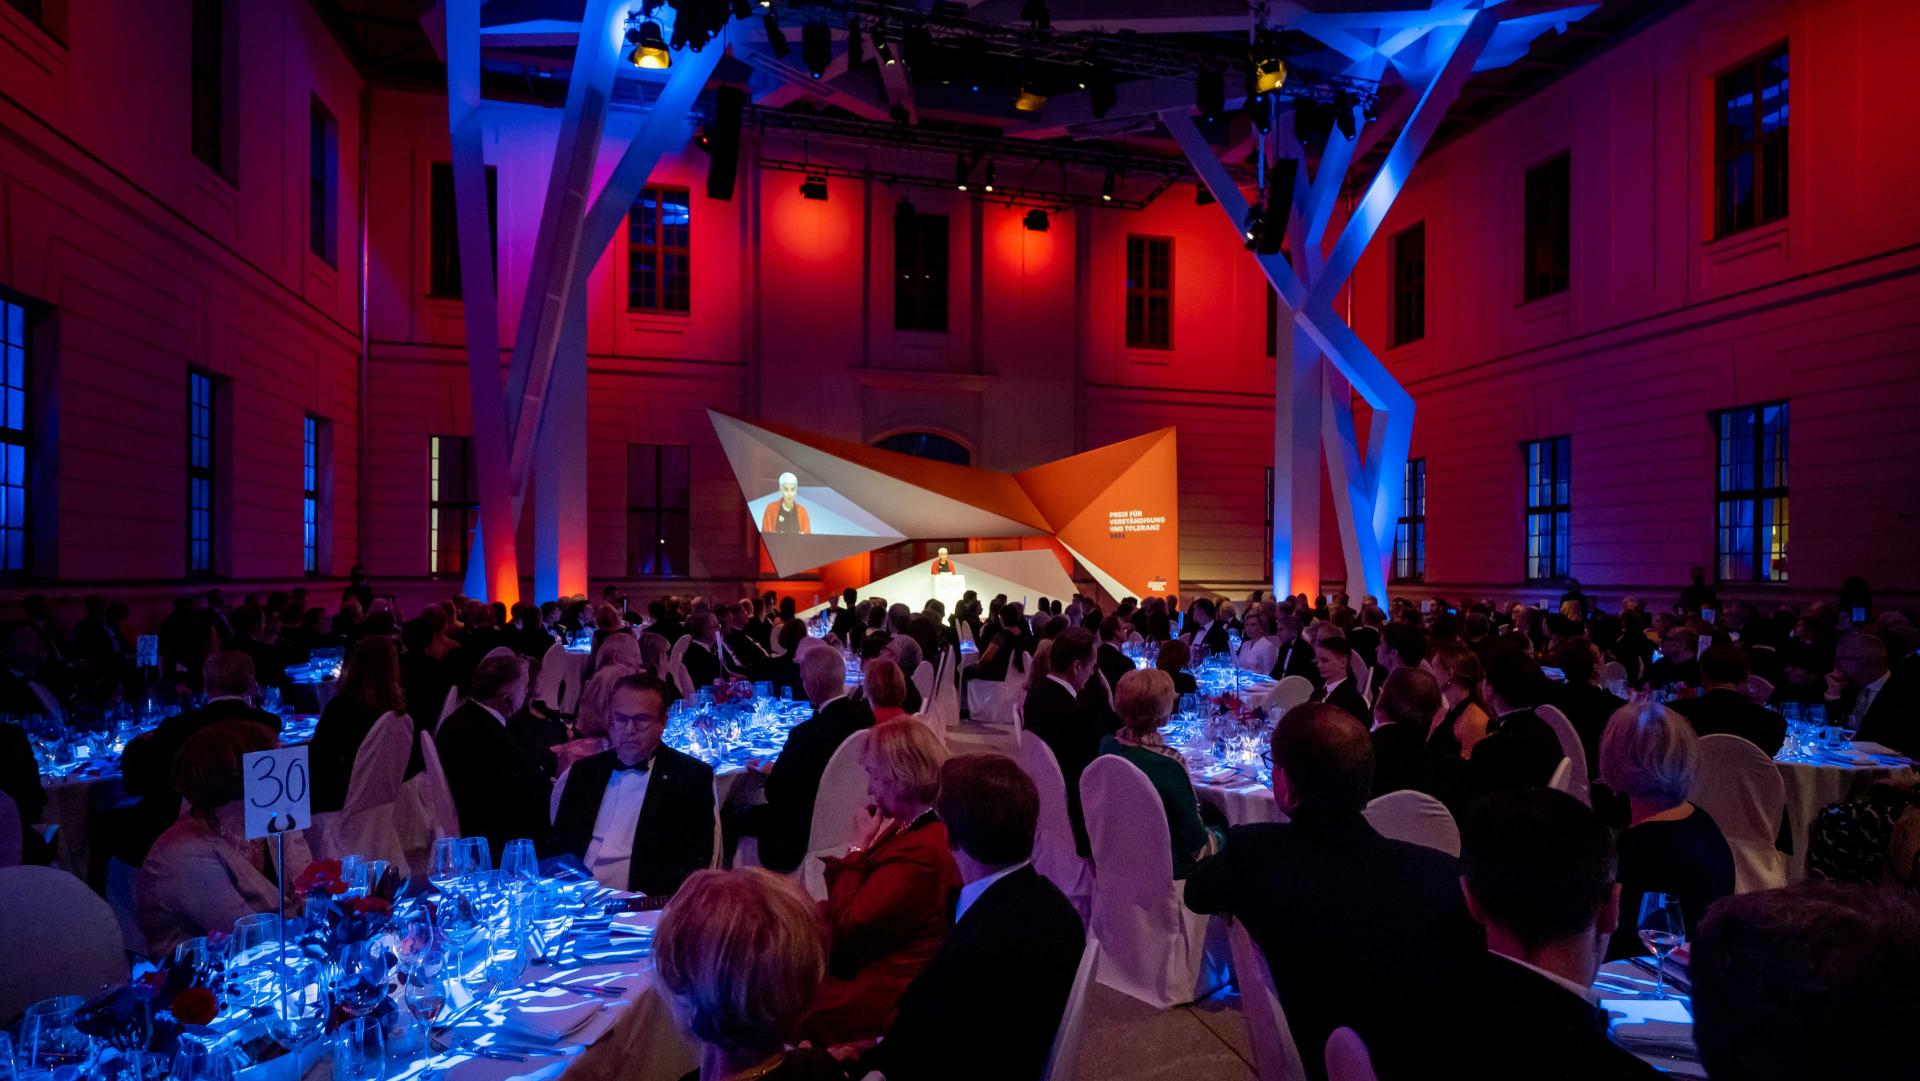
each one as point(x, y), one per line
point(786, 515)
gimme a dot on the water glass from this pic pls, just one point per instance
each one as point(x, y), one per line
point(518, 862)
point(353, 873)
point(299, 1004)
point(50, 1042)
point(475, 856)
point(201, 1058)
point(443, 870)
point(360, 1050)
point(1662, 930)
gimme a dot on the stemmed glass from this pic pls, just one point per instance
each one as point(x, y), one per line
point(425, 978)
point(444, 869)
point(1662, 930)
point(360, 1050)
point(475, 856)
point(519, 862)
point(201, 1059)
point(299, 1003)
point(360, 977)
point(50, 1039)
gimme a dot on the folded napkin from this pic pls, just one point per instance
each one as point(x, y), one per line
point(549, 1018)
point(1657, 1037)
point(633, 923)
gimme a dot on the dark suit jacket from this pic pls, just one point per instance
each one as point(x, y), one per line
point(1296, 659)
point(343, 727)
point(674, 836)
point(1072, 732)
point(784, 671)
point(1731, 713)
point(749, 657)
point(1402, 759)
point(1214, 641)
point(1346, 695)
point(1893, 718)
point(990, 1002)
point(146, 768)
point(1112, 663)
point(1545, 1032)
point(794, 782)
point(1588, 707)
point(1359, 930)
point(703, 667)
point(500, 788)
point(1519, 751)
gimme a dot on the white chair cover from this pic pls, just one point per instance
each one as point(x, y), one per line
point(1417, 818)
point(677, 672)
point(1742, 789)
point(1291, 691)
point(451, 703)
point(983, 699)
point(1613, 676)
point(367, 823)
point(942, 708)
point(1577, 777)
point(1362, 677)
point(11, 837)
point(1065, 1055)
point(843, 790)
point(677, 653)
point(553, 687)
point(923, 681)
point(1054, 856)
point(1759, 689)
point(1155, 949)
point(57, 937)
point(436, 795)
point(1348, 1058)
point(1562, 779)
point(965, 629)
point(1275, 1056)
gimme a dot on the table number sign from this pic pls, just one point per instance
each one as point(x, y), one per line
point(278, 794)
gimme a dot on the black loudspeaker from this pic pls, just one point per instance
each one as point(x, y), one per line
point(723, 141)
point(1279, 203)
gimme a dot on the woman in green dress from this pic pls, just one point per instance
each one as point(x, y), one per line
point(1144, 700)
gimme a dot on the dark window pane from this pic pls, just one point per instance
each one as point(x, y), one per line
point(443, 241)
point(659, 256)
point(1750, 142)
point(1149, 302)
point(1409, 285)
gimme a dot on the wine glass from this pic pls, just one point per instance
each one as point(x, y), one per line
point(360, 977)
point(519, 862)
point(425, 983)
point(299, 1005)
point(51, 1042)
point(1662, 930)
point(360, 1050)
point(444, 869)
point(199, 1058)
point(475, 856)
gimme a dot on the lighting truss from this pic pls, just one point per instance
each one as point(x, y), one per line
point(1010, 194)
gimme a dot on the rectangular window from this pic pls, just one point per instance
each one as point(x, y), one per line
point(1548, 258)
point(453, 504)
point(323, 187)
point(1750, 143)
point(659, 490)
point(1410, 534)
point(1751, 483)
point(201, 472)
point(1549, 506)
point(213, 122)
point(919, 271)
point(310, 496)
point(659, 251)
point(443, 231)
point(1410, 285)
point(1149, 292)
point(16, 437)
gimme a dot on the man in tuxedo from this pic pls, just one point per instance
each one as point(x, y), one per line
point(1882, 703)
point(640, 814)
point(1588, 706)
point(1358, 930)
point(1333, 658)
point(1679, 659)
point(990, 1002)
point(501, 789)
point(1540, 877)
point(1403, 714)
point(1295, 657)
point(1207, 632)
point(784, 822)
point(1725, 708)
point(1055, 712)
point(702, 658)
point(1519, 749)
point(745, 655)
point(1109, 659)
point(783, 671)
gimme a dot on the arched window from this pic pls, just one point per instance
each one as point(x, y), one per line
point(927, 445)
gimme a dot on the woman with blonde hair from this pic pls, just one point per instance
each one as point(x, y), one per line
point(617, 651)
point(590, 713)
point(886, 911)
point(1457, 668)
point(1650, 755)
point(1144, 700)
point(1037, 671)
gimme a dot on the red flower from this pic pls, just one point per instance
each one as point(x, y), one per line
point(370, 906)
point(320, 874)
point(195, 1006)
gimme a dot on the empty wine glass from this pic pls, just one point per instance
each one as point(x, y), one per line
point(1662, 930)
point(360, 977)
point(360, 1050)
point(444, 869)
point(475, 856)
point(299, 1004)
point(199, 1058)
point(519, 862)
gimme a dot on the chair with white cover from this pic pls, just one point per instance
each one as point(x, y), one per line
point(1275, 1056)
point(923, 681)
point(1154, 949)
point(843, 790)
point(1578, 784)
point(677, 653)
point(943, 700)
point(367, 823)
point(11, 837)
point(1613, 674)
point(1054, 855)
point(57, 937)
point(1290, 692)
point(436, 795)
point(677, 672)
point(983, 699)
point(1362, 677)
point(1065, 1056)
point(553, 687)
point(1739, 786)
point(447, 706)
point(1759, 688)
point(1562, 779)
point(1348, 1058)
point(1417, 818)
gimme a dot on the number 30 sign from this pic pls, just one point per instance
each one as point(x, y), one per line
point(278, 796)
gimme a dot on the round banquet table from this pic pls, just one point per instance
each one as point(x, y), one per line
point(1814, 783)
point(1240, 799)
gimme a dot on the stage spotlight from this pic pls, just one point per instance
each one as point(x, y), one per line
point(1210, 92)
point(884, 52)
point(649, 49)
point(988, 186)
point(816, 48)
point(814, 187)
point(776, 40)
point(1254, 225)
point(1269, 75)
point(1106, 187)
point(1278, 207)
point(960, 173)
point(1343, 106)
point(1029, 100)
point(1037, 221)
point(766, 3)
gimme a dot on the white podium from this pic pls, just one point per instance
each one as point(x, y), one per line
point(949, 588)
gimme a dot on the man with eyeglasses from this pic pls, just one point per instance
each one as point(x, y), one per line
point(639, 814)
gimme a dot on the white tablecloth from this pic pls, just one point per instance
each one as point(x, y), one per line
point(1241, 801)
point(1659, 1031)
point(1813, 785)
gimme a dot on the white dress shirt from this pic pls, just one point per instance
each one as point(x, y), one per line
point(1057, 678)
point(611, 850)
point(1586, 993)
point(494, 713)
point(971, 892)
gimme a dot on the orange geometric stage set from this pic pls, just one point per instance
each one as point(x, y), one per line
point(1115, 509)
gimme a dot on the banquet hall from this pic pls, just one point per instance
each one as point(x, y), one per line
point(889, 540)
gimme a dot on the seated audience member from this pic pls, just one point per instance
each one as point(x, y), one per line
point(590, 715)
point(1359, 930)
point(990, 1002)
point(784, 822)
point(201, 875)
point(887, 898)
point(1204, 631)
point(1883, 704)
point(1519, 750)
point(1010, 641)
point(1294, 654)
point(702, 657)
point(618, 651)
point(783, 670)
point(1403, 714)
point(1815, 980)
point(1586, 704)
point(885, 690)
point(1679, 659)
point(20, 781)
point(146, 765)
point(1172, 658)
point(744, 652)
point(1258, 648)
point(1651, 756)
point(904, 651)
point(1725, 709)
point(1333, 657)
point(369, 690)
point(425, 676)
point(1401, 646)
point(639, 814)
point(1144, 701)
point(1110, 658)
point(1058, 714)
point(501, 789)
point(1540, 879)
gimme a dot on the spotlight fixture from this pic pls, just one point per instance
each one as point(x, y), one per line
point(1106, 187)
point(1037, 221)
point(884, 52)
point(960, 172)
point(766, 3)
point(649, 48)
point(1210, 92)
point(1029, 100)
point(776, 40)
point(988, 186)
point(816, 48)
point(814, 187)
point(1269, 74)
point(1254, 225)
point(1343, 106)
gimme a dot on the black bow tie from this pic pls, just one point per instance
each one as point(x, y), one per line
point(638, 767)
